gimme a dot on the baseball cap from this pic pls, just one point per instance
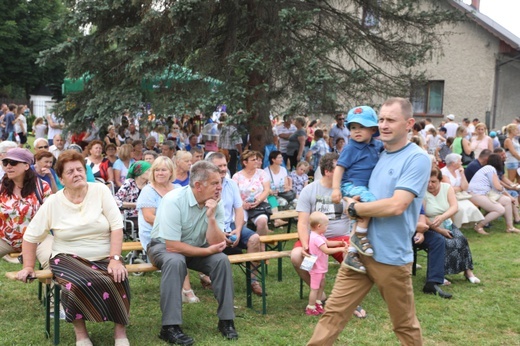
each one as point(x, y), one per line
point(492, 134)
point(363, 115)
point(20, 155)
point(450, 116)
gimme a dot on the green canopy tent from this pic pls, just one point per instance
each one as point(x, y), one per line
point(174, 74)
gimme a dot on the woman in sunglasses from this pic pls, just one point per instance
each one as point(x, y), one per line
point(21, 194)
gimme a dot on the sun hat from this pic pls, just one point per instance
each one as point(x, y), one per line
point(20, 155)
point(450, 116)
point(138, 168)
point(363, 115)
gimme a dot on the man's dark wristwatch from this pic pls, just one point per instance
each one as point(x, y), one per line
point(352, 210)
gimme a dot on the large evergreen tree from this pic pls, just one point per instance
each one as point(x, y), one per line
point(24, 33)
point(289, 55)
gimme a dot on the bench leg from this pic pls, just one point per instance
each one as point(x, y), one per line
point(249, 290)
point(40, 292)
point(264, 303)
point(56, 314)
point(280, 248)
point(47, 305)
point(260, 276)
point(289, 225)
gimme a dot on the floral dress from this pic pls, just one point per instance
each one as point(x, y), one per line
point(251, 188)
point(298, 181)
point(16, 213)
point(128, 192)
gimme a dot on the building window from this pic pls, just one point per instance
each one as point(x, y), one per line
point(427, 98)
point(370, 17)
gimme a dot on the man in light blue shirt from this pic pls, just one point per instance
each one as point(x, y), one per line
point(237, 233)
point(399, 183)
point(187, 233)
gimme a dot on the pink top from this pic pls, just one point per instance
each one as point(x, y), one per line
point(479, 145)
point(322, 263)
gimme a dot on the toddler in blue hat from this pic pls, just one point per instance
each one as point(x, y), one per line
point(352, 172)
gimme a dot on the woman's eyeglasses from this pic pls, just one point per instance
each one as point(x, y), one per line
point(10, 162)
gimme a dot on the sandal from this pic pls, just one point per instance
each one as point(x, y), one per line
point(446, 282)
point(473, 279)
point(188, 296)
point(360, 312)
point(512, 230)
point(480, 230)
point(205, 281)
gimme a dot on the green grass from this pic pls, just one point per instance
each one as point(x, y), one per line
point(485, 314)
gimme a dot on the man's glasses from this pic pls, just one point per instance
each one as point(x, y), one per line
point(340, 119)
point(43, 147)
point(10, 162)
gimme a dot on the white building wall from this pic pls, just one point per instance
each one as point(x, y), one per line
point(467, 68)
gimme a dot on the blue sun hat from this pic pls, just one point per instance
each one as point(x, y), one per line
point(363, 115)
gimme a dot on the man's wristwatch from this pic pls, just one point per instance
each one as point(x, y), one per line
point(352, 210)
point(116, 257)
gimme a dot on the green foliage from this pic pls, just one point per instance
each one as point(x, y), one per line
point(24, 33)
point(300, 56)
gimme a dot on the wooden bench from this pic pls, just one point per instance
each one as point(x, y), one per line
point(288, 215)
point(277, 242)
point(243, 260)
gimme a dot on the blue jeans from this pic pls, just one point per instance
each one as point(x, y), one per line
point(435, 243)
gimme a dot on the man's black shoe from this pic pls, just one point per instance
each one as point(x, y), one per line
point(227, 329)
point(175, 335)
point(432, 288)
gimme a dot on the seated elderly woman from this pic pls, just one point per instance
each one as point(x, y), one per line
point(21, 195)
point(490, 195)
point(453, 174)
point(440, 204)
point(43, 168)
point(254, 187)
point(86, 254)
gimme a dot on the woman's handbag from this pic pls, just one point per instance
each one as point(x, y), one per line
point(493, 195)
point(289, 196)
point(263, 208)
point(462, 195)
point(466, 159)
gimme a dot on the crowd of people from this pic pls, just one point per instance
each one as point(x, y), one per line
point(383, 185)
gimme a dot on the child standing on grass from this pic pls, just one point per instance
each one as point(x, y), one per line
point(353, 170)
point(320, 247)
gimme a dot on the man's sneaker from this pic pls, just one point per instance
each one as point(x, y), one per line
point(312, 312)
point(361, 243)
point(352, 262)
